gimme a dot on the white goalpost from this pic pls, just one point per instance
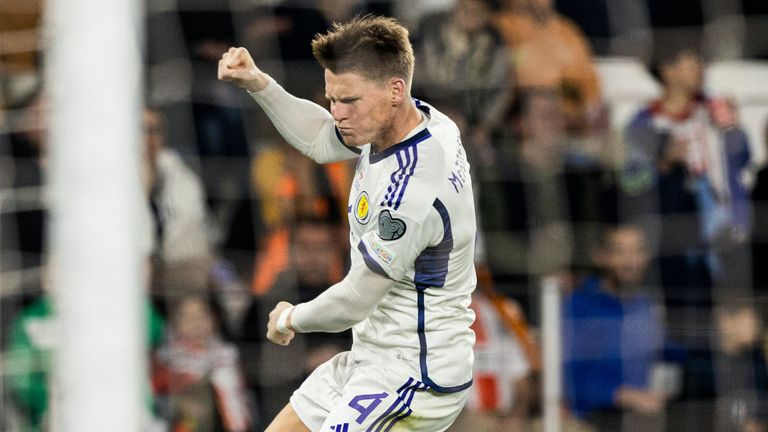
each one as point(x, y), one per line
point(551, 354)
point(93, 87)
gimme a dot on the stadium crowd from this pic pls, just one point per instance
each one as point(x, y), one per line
point(654, 224)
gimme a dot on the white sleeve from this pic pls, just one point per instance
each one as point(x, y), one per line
point(343, 305)
point(305, 125)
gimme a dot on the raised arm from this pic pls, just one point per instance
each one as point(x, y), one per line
point(305, 125)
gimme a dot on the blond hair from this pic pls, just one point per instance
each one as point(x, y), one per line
point(374, 47)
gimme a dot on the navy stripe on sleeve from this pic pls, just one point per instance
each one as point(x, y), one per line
point(370, 261)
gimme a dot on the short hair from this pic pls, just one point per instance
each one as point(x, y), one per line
point(375, 47)
point(668, 50)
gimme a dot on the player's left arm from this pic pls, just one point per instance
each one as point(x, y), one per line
point(389, 251)
point(354, 298)
point(337, 309)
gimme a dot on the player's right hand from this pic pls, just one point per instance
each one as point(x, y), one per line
point(237, 66)
point(273, 333)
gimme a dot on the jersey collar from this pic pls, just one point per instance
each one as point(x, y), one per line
point(413, 140)
point(419, 137)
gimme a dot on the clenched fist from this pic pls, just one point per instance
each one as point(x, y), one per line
point(237, 66)
point(273, 332)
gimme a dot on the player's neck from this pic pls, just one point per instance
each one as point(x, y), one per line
point(405, 120)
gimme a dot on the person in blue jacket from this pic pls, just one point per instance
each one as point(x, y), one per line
point(612, 334)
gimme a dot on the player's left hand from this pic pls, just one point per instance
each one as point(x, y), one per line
point(275, 335)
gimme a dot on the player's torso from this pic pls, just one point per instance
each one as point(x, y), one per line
point(414, 321)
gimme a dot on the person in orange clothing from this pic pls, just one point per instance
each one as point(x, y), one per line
point(550, 51)
point(293, 187)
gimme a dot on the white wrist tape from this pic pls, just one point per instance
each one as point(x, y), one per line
point(282, 321)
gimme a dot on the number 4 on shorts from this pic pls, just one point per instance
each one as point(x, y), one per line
point(366, 410)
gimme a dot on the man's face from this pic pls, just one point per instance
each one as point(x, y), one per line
point(314, 252)
point(738, 328)
point(362, 109)
point(624, 256)
point(686, 72)
point(194, 321)
point(471, 15)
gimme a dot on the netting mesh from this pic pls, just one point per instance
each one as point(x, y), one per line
point(547, 97)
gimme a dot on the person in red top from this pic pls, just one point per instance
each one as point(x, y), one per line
point(197, 374)
point(686, 155)
point(551, 52)
point(500, 396)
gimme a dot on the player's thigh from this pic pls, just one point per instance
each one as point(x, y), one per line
point(320, 392)
point(287, 421)
point(377, 399)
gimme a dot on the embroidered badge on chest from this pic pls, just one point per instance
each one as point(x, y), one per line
point(363, 208)
point(390, 228)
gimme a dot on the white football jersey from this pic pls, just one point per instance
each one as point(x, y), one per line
point(412, 219)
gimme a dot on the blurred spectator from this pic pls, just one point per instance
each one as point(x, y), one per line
point(536, 205)
point(612, 337)
point(214, 277)
point(312, 266)
point(29, 128)
point(217, 117)
point(760, 234)
point(206, 119)
point(551, 52)
point(465, 67)
point(20, 48)
point(527, 177)
point(292, 187)
point(500, 397)
point(23, 230)
point(726, 386)
point(186, 260)
point(197, 375)
point(31, 344)
point(176, 197)
point(684, 166)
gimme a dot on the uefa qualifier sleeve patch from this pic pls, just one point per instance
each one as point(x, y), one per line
point(390, 228)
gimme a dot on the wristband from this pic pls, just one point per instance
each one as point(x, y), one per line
point(282, 321)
